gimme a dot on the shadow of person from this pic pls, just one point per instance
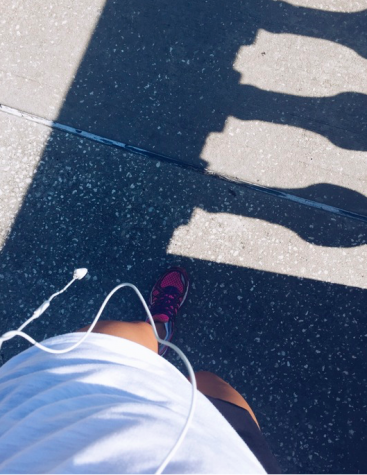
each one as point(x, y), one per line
point(342, 118)
point(162, 78)
point(348, 29)
point(338, 196)
point(320, 228)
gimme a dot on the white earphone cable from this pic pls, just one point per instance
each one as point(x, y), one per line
point(79, 274)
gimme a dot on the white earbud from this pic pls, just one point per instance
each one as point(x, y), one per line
point(80, 273)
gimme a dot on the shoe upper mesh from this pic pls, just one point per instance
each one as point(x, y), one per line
point(173, 279)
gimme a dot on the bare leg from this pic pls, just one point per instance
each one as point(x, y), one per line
point(214, 386)
point(142, 333)
point(139, 332)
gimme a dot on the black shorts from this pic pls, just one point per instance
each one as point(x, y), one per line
point(242, 422)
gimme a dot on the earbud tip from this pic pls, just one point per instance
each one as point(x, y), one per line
point(80, 273)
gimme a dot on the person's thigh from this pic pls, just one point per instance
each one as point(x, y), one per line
point(139, 332)
point(212, 385)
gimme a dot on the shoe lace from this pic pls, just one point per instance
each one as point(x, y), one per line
point(167, 302)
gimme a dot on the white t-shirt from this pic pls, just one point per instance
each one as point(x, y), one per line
point(109, 406)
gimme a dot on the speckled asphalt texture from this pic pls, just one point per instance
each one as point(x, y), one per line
point(277, 305)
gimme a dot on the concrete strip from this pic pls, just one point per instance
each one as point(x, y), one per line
point(41, 47)
point(331, 5)
point(263, 246)
point(288, 158)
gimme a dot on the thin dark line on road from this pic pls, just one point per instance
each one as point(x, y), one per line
point(182, 164)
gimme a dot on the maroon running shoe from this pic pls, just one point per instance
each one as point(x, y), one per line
point(166, 297)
